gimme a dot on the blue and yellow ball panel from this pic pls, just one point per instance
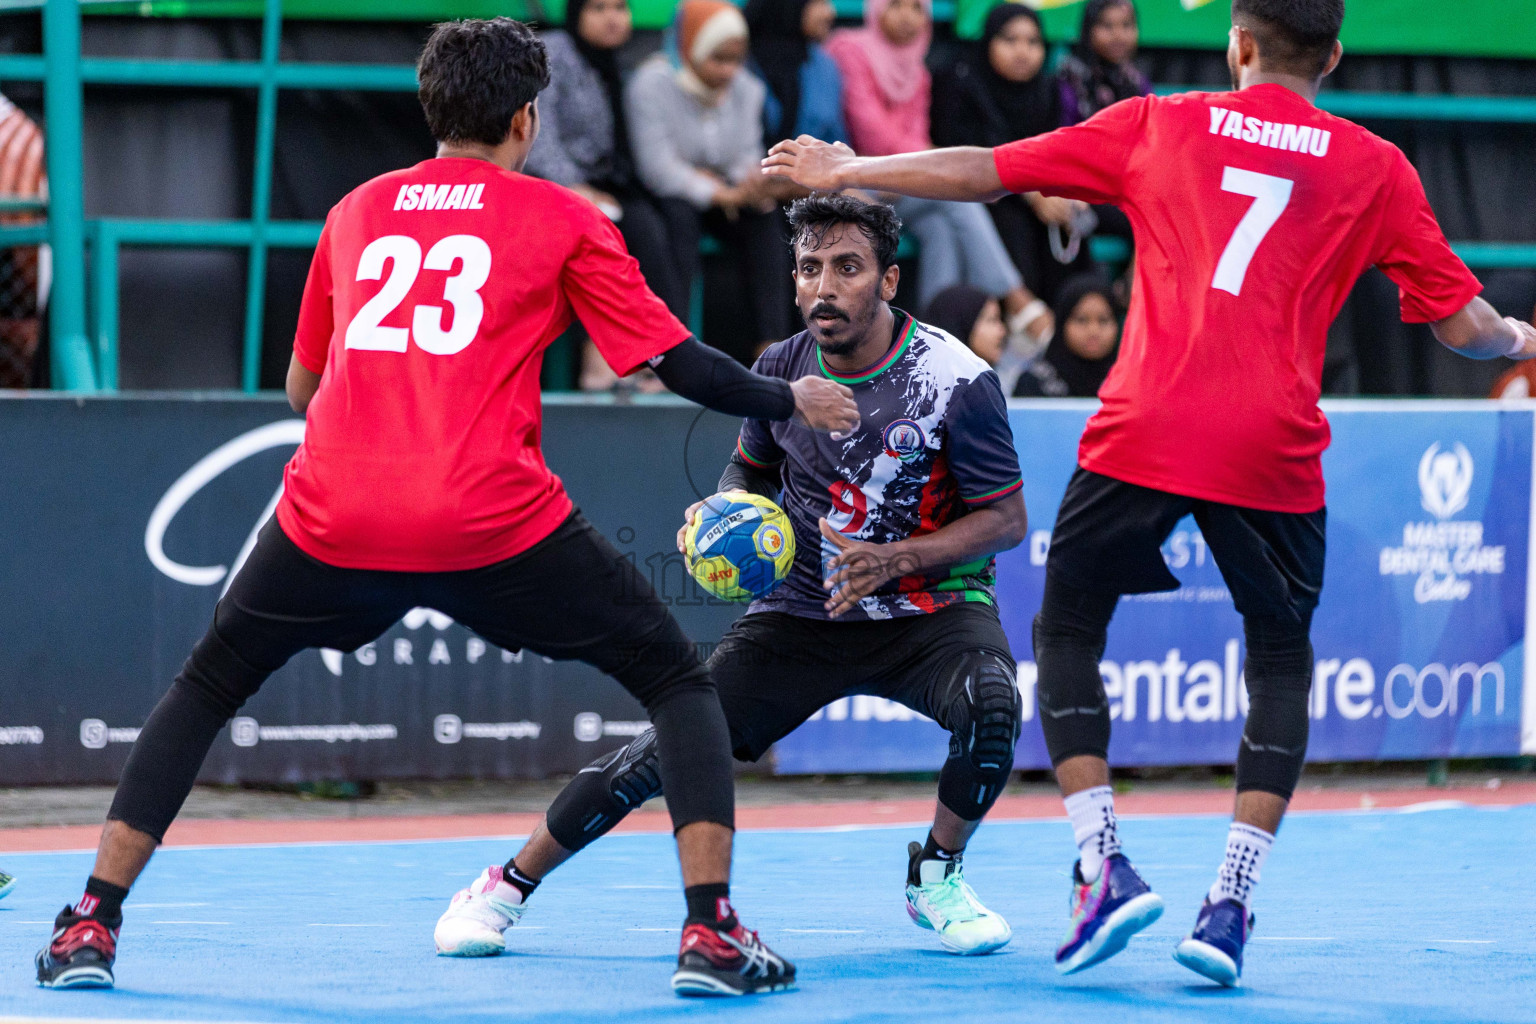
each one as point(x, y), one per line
point(739, 546)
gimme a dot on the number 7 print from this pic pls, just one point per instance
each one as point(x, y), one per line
point(1270, 195)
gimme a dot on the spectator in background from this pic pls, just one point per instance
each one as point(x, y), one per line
point(1000, 93)
point(583, 144)
point(1101, 69)
point(696, 122)
point(1083, 350)
point(804, 89)
point(21, 300)
point(886, 90)
point(976, 318)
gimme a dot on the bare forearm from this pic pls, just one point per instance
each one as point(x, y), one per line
point(961, 173)
point(986, 531)
point(1478, 332)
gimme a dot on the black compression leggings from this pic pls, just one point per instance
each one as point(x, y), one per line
point(284, 601)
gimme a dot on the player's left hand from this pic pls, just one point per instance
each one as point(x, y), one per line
point(860, 568)
point(809, 162)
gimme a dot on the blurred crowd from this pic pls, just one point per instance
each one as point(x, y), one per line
point(670, 150)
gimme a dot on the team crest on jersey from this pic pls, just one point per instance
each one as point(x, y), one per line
point(904, 440)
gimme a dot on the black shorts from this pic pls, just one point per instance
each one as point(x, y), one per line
point(774, 670)
point(571, 596)
point(1109, 536)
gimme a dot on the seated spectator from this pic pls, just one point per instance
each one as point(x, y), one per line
point(976, 318)
point(971, 316)
point(1101, 69)
point(696, 122)
point(583, 144)
point(21, 177)
point(804, 88)
point(1083, 350)
point(1001, 93)
point(886, 90)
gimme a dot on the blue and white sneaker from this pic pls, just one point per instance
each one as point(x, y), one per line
point(1215, 947)
point(7, 883)
point(1105, 914)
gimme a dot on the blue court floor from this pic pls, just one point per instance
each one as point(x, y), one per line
point(1392, 917)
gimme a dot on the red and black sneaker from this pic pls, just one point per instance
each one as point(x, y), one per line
point(80, 954)
point(728, 963)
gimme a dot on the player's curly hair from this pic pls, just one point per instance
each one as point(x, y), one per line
point(1294, 36)
point(812, 217)
point(474, 75)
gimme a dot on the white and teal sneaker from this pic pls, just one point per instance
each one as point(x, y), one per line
point(7, 883)
point(939, 899)
point(475, 922)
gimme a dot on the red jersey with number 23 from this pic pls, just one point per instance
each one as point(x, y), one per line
point(431, 299)
point(1254, 213)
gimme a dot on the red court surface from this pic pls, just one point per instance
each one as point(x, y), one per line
point(852, 813)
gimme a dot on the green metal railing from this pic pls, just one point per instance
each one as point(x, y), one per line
point(84, 311)
point(85, 351)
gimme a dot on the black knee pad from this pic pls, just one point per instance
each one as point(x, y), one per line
point(985, 731)
point(1279, 677)
point(214, 673)
point(1070, 634)
point(605, 791)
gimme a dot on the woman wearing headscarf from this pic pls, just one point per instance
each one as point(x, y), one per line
point(886, 89)
point(583, 141)
point(804, 87)
point(1100, 70)
point(1083, 350)
point(1000, 93)
point(696, 123)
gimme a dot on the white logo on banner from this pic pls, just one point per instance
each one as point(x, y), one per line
point(247, 732)
point(1445, 479)
point(231, 454)
point(1445, 553)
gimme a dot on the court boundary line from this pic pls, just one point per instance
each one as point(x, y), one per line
point(1425, 807)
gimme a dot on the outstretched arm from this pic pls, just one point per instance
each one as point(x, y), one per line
point(1478, 332)
point(962, 173)
point(716, 381)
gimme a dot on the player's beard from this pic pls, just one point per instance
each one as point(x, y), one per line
point(843, 346)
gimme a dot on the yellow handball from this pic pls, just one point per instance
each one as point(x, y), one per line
point(739, 545)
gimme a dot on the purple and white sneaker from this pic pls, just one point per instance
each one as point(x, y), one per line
point(1215, 947)
point(1105, 914)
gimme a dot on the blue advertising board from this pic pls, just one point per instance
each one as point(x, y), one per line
point(1418, 641)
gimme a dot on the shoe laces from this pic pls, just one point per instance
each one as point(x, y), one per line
point(953, 898)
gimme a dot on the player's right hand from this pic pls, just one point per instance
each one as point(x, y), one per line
point(811, 163)
point(825, 405)
point(1527, 335)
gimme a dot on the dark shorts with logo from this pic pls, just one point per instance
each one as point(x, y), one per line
point(571, 596)
point(775, 670)
point(1109, 536)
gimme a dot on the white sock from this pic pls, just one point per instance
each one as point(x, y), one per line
point(1092, 812)
point(1247, 848)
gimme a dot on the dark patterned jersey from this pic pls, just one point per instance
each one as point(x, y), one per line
point(933, 443)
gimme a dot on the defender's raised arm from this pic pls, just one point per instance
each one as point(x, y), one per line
point(962, 173)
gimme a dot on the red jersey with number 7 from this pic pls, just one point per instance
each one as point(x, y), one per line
point(433, 294)
point(1254, 213)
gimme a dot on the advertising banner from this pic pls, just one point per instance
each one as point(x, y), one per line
point(1419, 639)
point(124, 520)
point(126, 517)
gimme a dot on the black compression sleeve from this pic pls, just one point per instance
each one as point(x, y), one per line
point(716, 381)
point(742, 476)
